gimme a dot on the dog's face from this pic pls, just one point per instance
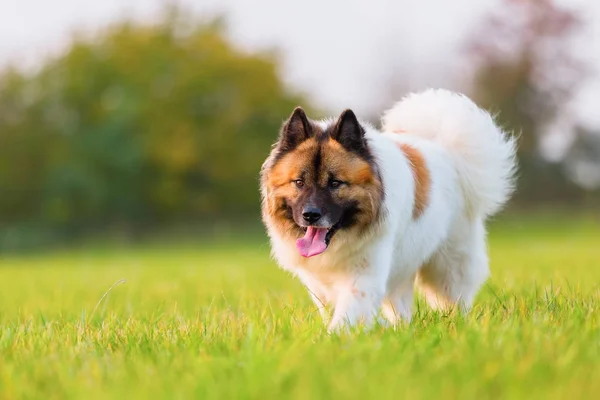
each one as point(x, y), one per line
point(320, 181)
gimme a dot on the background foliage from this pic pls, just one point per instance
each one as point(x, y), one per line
point(528, 75)
point(141, 125)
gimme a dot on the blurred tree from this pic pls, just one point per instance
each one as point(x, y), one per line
point(583, 158)
point(526, 72)
point(143, 124)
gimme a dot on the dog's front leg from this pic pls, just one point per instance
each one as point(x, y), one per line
point(357, 303)
point(317, 291)
point(359, 297)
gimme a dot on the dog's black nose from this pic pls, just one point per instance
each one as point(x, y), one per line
point(311, 214)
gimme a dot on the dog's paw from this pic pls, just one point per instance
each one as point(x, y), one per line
point(339, 328)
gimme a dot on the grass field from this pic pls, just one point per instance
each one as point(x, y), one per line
point(219, 320)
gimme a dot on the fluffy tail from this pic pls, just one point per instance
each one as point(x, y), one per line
point(484, 154)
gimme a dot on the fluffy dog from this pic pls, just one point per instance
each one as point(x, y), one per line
point(361, 215)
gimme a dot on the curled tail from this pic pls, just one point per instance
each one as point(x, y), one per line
point(484, 155)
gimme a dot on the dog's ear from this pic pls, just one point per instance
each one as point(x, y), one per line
point(295, 130)
point(349, 133)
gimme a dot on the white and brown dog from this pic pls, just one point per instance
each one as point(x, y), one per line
point(360, 216)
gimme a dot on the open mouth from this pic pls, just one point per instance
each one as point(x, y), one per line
point(315, 240)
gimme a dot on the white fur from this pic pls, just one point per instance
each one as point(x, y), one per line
point(471, 163)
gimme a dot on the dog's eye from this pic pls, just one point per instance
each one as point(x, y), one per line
point(299, 183)
point(334, 184)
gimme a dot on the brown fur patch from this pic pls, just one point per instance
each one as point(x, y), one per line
point(421, 176)
point(345, 166)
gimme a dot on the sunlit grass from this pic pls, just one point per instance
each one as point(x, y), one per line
point(221, 321)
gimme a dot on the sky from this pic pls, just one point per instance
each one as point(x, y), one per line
point(342, 53)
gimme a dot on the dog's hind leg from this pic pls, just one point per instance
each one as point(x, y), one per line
point(456, 272)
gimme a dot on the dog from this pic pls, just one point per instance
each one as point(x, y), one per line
point(362, 216)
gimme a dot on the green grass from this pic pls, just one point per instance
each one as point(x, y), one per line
point(219, 320)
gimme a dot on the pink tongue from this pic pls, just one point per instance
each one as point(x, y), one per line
point(313, 242)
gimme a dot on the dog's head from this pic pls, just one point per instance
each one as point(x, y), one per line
point(320, 179)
